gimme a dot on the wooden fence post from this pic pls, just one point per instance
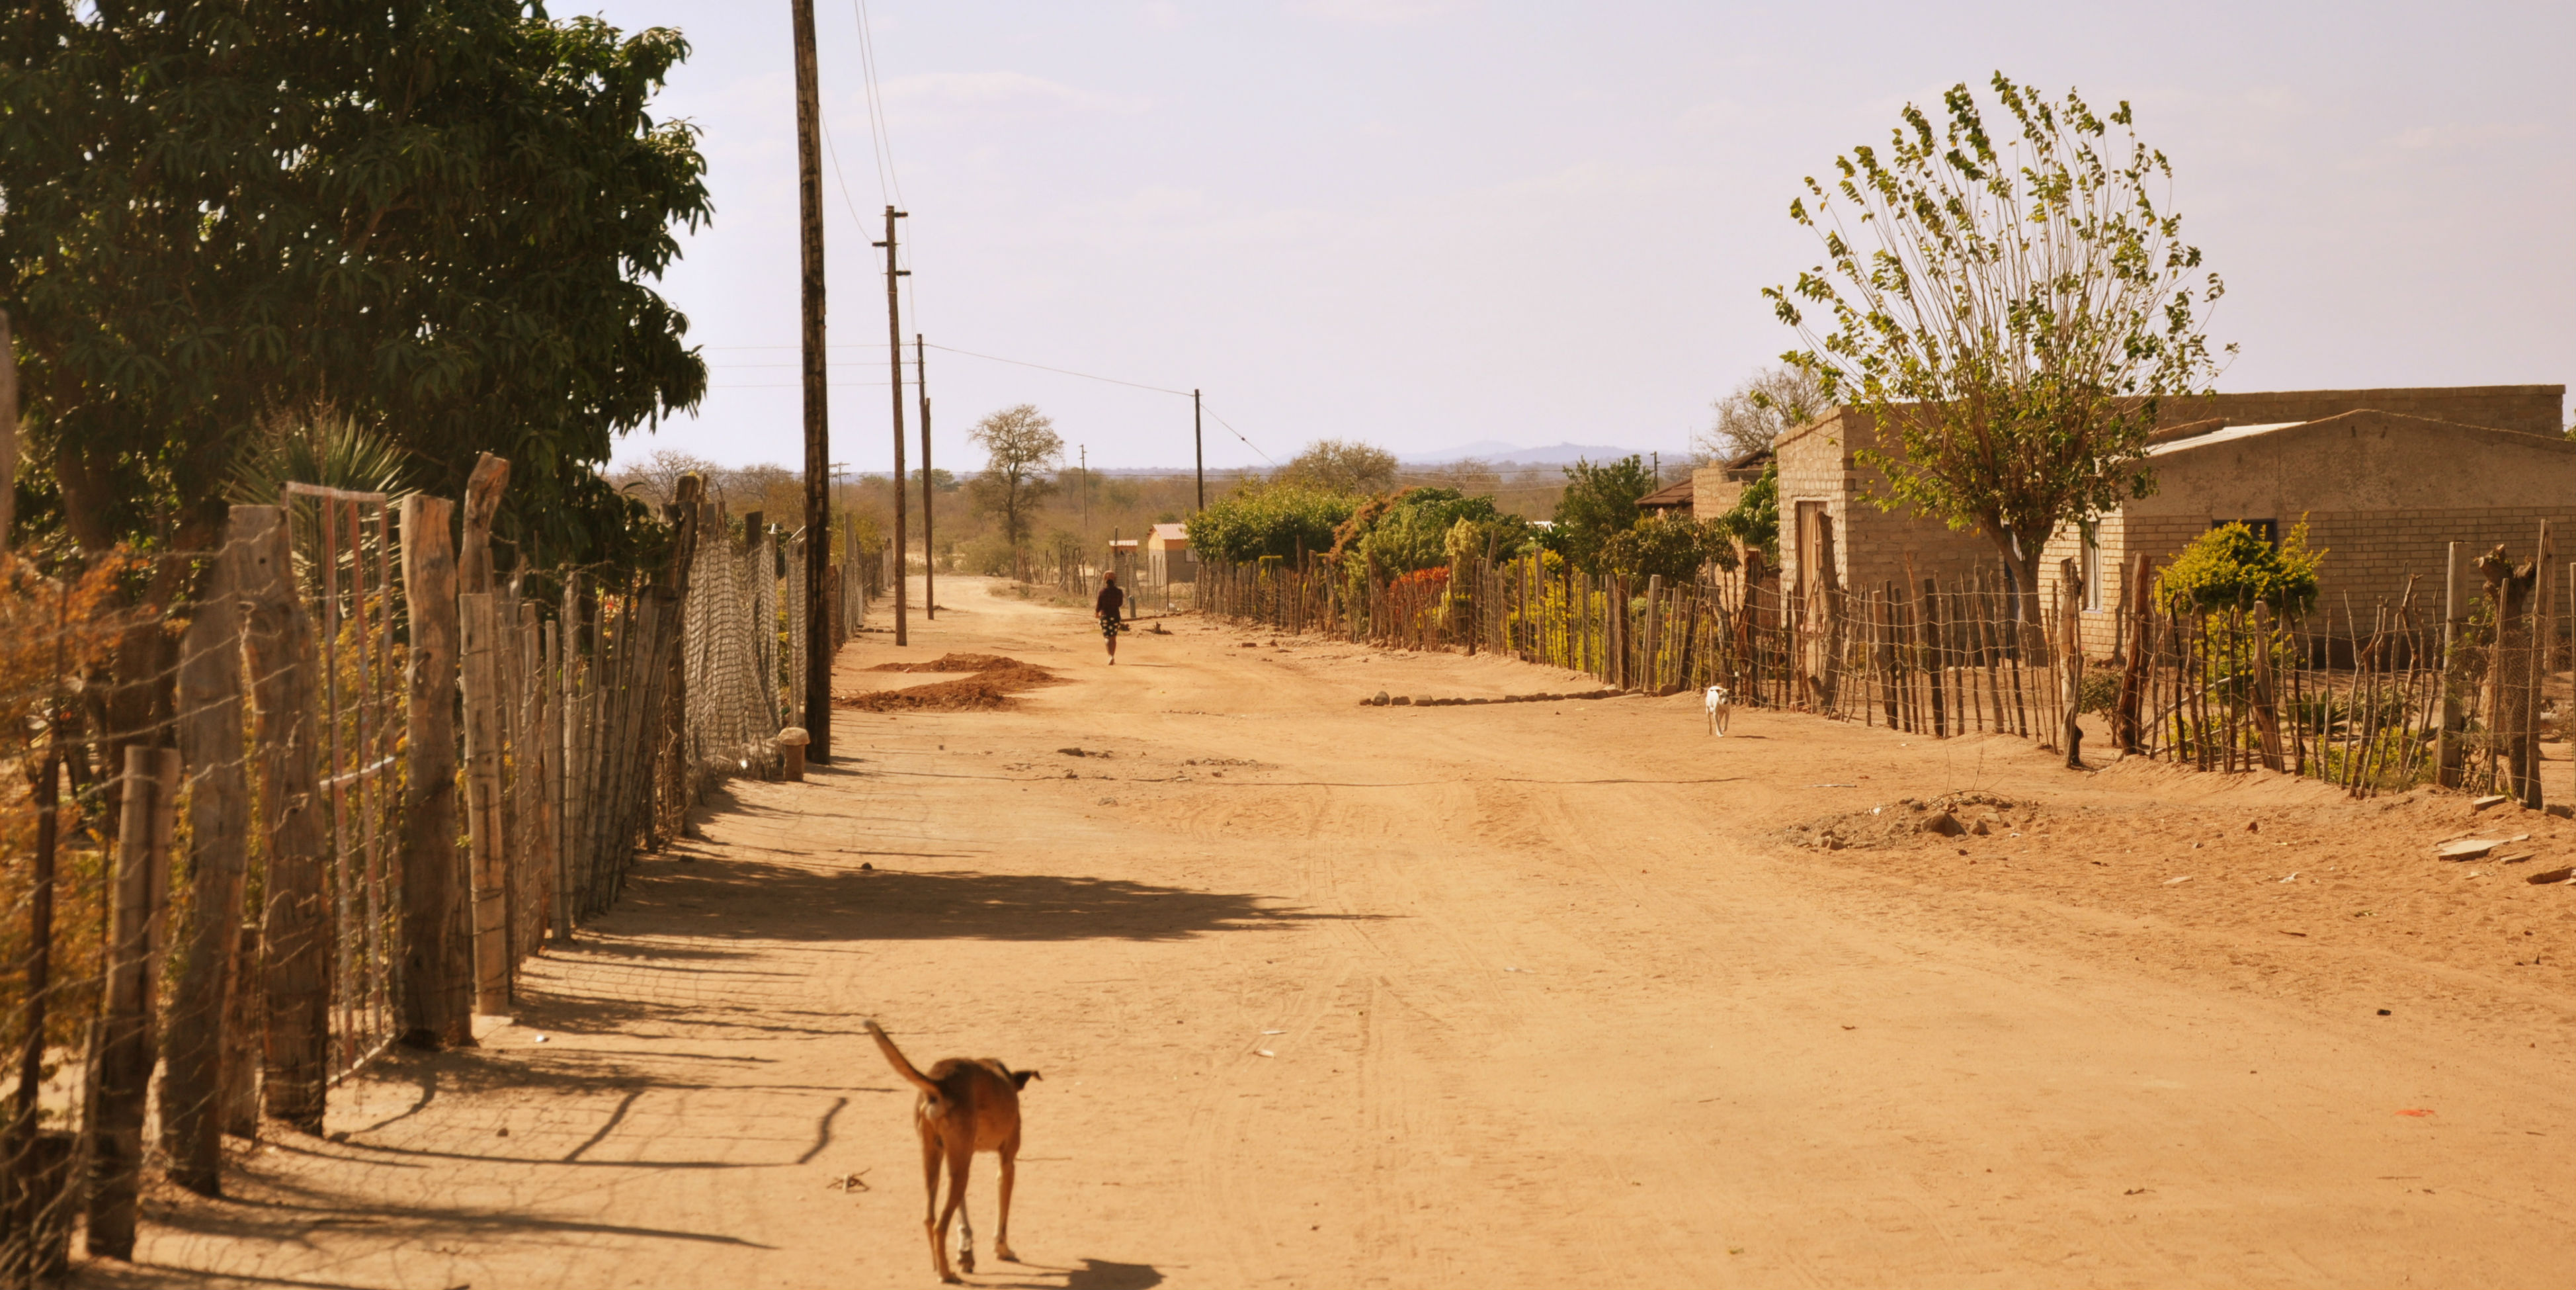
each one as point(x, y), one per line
point(210, 745)
point(2267, 708)
point(297, 939)
point(2448, 744)
point(531, 874)
point(2070, 661)
point(435, 982)
point(476, 650)
point(134, 951)
point(2544, 642)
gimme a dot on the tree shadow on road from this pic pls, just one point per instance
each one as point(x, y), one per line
point(741, 898)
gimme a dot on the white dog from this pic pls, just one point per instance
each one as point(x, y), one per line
point(1720, 707)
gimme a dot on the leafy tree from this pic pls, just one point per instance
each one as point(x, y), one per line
point(2231, 567)
point(1501, 536)
point(1598, 502)
point(1754, 521)
point(1020, 446)
point(1259, 520)
point(1341, 466)
point(436, 220)
point(1672, 547)
point(1753, 416)
point(2012, 310)
point(1410, 530)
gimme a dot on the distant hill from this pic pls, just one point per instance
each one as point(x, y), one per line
point(1495, 451)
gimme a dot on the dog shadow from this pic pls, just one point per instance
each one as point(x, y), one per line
point(1094, 1274)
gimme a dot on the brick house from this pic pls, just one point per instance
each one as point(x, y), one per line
point(2384, 478)
point(1716, 489)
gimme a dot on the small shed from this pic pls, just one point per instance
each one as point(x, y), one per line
point(1122, 561)
point(1168, 558)
point(1671, 499)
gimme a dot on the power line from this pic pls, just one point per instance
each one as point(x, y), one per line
point(888, 178)
point(1229, 429)
point(1061, 371)
point(881, 131)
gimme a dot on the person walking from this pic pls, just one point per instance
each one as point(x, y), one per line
point(1108, 607)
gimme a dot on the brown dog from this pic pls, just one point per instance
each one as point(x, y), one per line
point(967, 1105)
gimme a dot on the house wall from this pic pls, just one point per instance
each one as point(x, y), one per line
point(1712, 493)
point(2383, 495)
point(1871, 546)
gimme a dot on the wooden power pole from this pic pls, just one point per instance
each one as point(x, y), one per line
point(894, 355)
point(1198, 445)
point(818, 432)
point(929, 573)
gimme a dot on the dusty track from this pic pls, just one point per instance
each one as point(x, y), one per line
point(1548, 1001)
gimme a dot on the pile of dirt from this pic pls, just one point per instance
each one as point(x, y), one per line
point(1909, 821)
point(995, 679)
point(953, 663)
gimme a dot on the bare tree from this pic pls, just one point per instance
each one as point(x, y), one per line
point(1470, 475)
point(1341, 466)
point(655, 480)
point(773, 490)
point(1758, 410)
point(1020, 446)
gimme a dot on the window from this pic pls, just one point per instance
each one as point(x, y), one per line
point(2092, 567)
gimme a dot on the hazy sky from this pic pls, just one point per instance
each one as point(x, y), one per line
point(1426, 223)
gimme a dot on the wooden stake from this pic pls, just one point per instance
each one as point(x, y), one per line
point(210, 744)
point(126, 1051)
point(298, 939)
point(436, 944)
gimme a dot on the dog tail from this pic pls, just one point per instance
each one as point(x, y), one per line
point(895, 1058)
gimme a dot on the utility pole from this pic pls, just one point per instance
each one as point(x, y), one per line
point(929, 558)
point(818, 434)
point(1198, 445)
point(894, 352)
point(1085, 450)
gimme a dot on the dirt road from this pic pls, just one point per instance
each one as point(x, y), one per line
point(1540, 994)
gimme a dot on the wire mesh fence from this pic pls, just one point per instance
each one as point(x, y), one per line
point(331, 799)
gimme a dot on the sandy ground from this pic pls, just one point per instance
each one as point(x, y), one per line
point(1533, 995)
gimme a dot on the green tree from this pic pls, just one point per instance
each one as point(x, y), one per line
point(1754, 521)
point(1599, 501)
point(1020, 446)
point(1410, 530)
point(2231, 567)
point(1341, 466)
point(436, 221)
point(1673, 547)
point(2012, 310)
point(1269, 520)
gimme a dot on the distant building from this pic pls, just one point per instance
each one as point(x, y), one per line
point(1716, 489)
point(1168, 557)
point(2384, 479)
point(1671, 499)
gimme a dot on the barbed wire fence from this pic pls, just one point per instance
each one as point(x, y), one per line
point(332, 802)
